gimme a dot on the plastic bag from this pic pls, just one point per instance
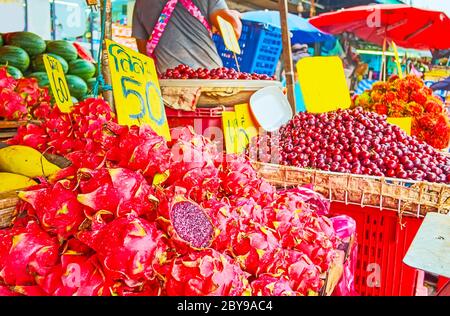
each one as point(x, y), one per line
point(345, 228)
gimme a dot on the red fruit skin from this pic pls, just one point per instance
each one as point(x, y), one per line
point(300, 228)
point(77, 275)
point(255, 251)
point(6, 291)
point(32, 253)
point(272, 285)
point(206, 273)
point(129, 249)
point(193, 165)
point(118, 191)
point(239, 178)
point(56, 207)
point(139, 149)
point(12, 106)
point(6, 80)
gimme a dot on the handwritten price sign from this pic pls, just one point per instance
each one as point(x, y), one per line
point(246, 126)
point(239, 128)
point(58, 84)
point(229, 36)
point(136, 89)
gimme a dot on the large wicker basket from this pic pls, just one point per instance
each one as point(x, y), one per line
point(406, 197)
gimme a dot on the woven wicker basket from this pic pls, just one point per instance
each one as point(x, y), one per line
point(406, 197)
point(8, 202)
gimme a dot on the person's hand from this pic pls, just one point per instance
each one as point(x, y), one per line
point(236, 18)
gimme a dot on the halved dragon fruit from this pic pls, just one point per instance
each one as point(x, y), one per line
point(186, 223)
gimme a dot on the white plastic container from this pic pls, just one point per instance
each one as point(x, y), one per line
point(271, 108)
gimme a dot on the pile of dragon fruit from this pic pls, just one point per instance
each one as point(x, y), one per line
point(135, 215)
point(21, 99)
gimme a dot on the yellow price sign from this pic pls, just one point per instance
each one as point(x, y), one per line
point(229, 36)
point(58, 83)
point(246, 126)
point(323, 84)
point(397, 60)
point(230, 126)
point(404, 123)
point(137, 93)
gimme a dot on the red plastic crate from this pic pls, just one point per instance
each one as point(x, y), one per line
point(205, 121)
point(382, 245)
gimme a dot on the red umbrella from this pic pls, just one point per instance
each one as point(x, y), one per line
point(407, 26)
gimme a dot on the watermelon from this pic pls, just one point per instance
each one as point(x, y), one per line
point(77, 87)
point(32, 43)
point(14, 72)
point(83, 53)
point(82, 68)
point(91, 84)
point(38, 63)
point(74, 100)
point(14, 56)
point(1, 40)
point(62, 48)
point(42, 78)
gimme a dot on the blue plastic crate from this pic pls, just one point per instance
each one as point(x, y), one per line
point(261, 48)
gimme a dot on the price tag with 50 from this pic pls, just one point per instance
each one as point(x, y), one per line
point(136, 89)
point(58, 83)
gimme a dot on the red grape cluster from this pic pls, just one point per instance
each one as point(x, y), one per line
point(355, 142)
point(186, 72)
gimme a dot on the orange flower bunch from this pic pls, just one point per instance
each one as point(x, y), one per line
point(410, 97)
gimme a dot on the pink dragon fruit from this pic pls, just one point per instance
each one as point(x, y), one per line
point(130, 249)
point(206, 273)
point(272, 285)
point(193, 165)
point(32, 253)
point(239, 180)
point(56, 207)
point(149, 288)
point(77, 275)
point(31, 135)
point(139, 149)
point(12, 106)
point(304, 276)
point(119, 191)
point(6, 80)
point(300, 228)
point(29, 90)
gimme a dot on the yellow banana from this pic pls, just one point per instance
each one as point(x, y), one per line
point(12, 181)
point(26, 161)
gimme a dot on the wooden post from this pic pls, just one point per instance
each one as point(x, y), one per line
point(107, 95)
point(287, 53)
